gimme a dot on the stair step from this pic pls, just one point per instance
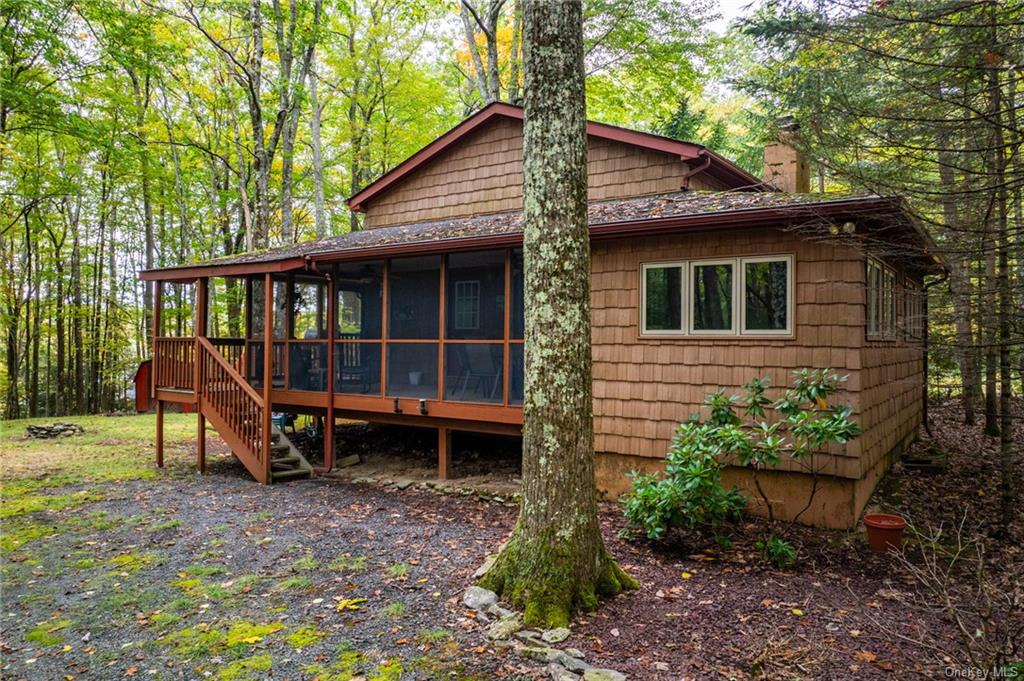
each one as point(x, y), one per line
point(291, 474)
point(281, 448)
point(285, 460)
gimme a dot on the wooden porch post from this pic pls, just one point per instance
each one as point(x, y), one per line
point(444, 447)
point(200, 327)
point(329, 418)
point(157, 304)
point(268, 349)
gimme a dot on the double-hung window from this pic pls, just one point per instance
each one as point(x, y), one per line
point(881, 299)
point(721, 297)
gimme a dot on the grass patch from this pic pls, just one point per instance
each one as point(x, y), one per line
point(165, 525)
point(394, 610)
point(305, 564)
point(34, 503)
point(433, 635)
point(261, 517)
point(398, 571)
point(297, 582)
point(304, 637)
point(348, 563)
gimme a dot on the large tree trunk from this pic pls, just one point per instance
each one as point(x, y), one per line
point(555, 562)
point(315, 112)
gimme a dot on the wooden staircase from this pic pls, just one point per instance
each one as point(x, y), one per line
point(286, 462)
point(241, 418)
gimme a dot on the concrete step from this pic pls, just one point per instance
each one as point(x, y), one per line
point(288, 460)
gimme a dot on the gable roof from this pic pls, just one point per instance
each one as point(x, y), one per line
point(700, 157)
point(631, 217)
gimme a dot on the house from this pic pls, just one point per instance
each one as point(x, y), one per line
point(703, 277)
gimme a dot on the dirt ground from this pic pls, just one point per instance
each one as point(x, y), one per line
point(111, 570)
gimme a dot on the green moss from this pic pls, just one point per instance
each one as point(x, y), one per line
point(250, 668)
point(389, 671)
point(14, 536)
point(165, 525)
point(205, 639)
point(34, 503)
point(246, 633)
point(344, 668)
point(542, 577)
point(304, 637)
point(45, 634)
point(133, 562)
point(305, 564)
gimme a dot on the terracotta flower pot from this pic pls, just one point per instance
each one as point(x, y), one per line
point(885, 531)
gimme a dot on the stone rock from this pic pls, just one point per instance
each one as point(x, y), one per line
point(594, 674)
point(661, 666)
point(487, 565)
point(404, 483)
point(555, 635)
point(478, 598)
point(571, 663)
point(575, 652)
point(539, 653)
point(559, 673)
point(504, 628)
point(347, 461)
point(46, 432)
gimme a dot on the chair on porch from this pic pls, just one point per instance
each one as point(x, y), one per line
point(480, 373)
point(351, 369)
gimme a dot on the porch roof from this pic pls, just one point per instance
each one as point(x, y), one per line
point(637, 216)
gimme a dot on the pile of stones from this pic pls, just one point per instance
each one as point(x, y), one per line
point(505, 630)
point(46, 432)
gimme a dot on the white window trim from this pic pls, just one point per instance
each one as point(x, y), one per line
point(738, 302)
point(790, 295)
point(684, 275)
point(733, 317)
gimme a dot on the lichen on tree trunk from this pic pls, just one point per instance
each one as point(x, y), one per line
point(555, 563)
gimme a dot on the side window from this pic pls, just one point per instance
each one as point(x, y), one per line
point(735, 296)
point(712, 300)
point(661, 305)
point(767, 295)
point(881, 300)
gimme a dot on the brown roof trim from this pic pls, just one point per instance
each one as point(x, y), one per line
point(720, 167)
point(211, 269)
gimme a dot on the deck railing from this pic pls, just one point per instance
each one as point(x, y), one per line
point(234, 409)
point(174, 361)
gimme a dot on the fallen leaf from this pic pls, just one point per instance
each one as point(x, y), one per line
point(865, 656)
point(686, 575)
point(798, 612)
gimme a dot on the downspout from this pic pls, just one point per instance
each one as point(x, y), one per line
point(329, 416)
point(925, 333)
point(696, 169)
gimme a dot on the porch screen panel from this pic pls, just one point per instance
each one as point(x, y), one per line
point(414, 293)
point(412, 370)
point(475, 296)
point(516, 370)
point(518, 318)
point(473, 372)
point(309, 310)
point(357, 368)
point(359, 288)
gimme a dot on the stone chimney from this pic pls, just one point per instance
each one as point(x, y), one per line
point(784, 166)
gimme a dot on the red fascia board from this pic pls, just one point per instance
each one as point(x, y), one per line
point(198, 271)
point(686, 151)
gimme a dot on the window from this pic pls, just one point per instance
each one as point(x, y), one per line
point(767, 294)
point(712, 297)
point(467, 305)
point(700, 297)
point(913, 320)
point(662, 305)
point(881, 300)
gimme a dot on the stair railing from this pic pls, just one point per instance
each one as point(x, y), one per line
point(234, 408)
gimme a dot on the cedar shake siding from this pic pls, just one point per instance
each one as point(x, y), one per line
point(645, 386)
point(483, 173)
